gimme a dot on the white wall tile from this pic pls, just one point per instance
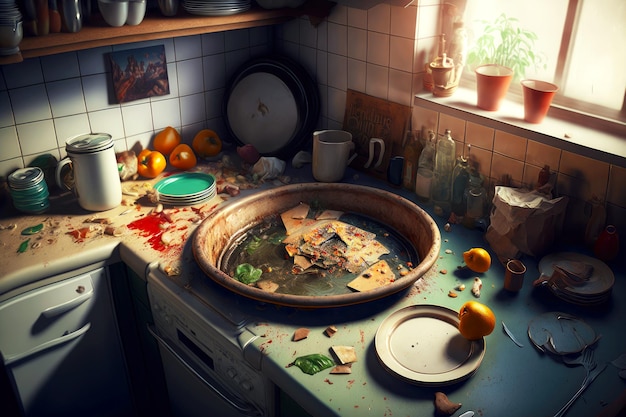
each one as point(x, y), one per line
point(401, 53)
point(30, 104)
point(166, 113)
point(213, 103)
point(322, 36)
point(234, 60)
point(308, 60)
point(357, 18)
point(214, 71)
point(378, 48)
point(336, 104)
point(66, 97)
point(399, 84)
point(98, 93)
point(136, 142)
point(188, 47)
point(404, 21)
point(37, 137)
point(9, 143)
point(70, 126)
point(322, 68)
point(94, 61)
point(190, 76)
point(308, 33)
point(3, 84)
point(379, 18)
point(260, 35)
point(213, 43)
point(60, 66)
point(192, 109)
point(236, 39)
point(25, 73)
point(377, 81)
point(337, 71)
point(357, 43)
point(428, 21)
point(137, 119)
point(10, 165)
point(338, 39)
point(357, 75)
point(107, 121)
point(338, 14)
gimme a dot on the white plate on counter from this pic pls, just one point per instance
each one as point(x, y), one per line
point(422, 345)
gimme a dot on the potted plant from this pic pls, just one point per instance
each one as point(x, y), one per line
point(502, 53)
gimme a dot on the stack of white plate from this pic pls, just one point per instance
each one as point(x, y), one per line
point(186, 189)
point(596, 289)
point(29, 190)
point(216, 7)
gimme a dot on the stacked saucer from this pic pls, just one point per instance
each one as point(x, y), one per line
point(29, 190)
point(595, 288)
point(216, 7)
point(186, 189)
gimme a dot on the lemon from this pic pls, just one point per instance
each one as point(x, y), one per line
point(476, 320)
point(477, 259)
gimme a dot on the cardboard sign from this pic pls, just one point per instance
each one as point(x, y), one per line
point(368, 117)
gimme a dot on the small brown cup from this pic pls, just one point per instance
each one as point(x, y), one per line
point(514, 275)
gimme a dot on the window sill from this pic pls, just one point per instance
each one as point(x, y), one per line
point(565, 135)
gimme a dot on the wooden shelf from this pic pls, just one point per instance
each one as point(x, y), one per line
point(156, 26)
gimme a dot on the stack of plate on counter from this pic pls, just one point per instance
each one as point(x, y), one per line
point(216, 7)
point(594, 285)
point(185, 189)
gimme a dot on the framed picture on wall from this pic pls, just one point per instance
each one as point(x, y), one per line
point(139, 73)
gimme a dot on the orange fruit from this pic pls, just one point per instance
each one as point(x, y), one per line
point(476, 320)
point(477, 259)
point(166, 140)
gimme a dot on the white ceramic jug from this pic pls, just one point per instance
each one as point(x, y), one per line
point(96, 178)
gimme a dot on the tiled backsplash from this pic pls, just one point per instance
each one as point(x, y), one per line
point(380, 51)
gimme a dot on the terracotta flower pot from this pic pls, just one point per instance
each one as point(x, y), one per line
point(537, 99)
point(492, 85)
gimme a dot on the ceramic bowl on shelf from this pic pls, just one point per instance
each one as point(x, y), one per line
point(136, 12)
point(114, 12)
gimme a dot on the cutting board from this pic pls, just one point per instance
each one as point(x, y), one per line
point(369, 117)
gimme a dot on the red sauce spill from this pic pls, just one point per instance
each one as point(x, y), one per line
point(150, 227)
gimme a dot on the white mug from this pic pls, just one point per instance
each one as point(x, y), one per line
point(331, 154)
point(94, 166)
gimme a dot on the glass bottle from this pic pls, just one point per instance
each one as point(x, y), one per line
point(411, 155)
point(445, 156)
point(425, 167)
point(460, 181)
point(476, 198)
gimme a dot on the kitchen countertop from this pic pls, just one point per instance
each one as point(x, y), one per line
point(511, 381)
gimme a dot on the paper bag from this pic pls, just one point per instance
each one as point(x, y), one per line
point(524, 222)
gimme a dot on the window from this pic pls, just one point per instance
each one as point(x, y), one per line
point(580, 43)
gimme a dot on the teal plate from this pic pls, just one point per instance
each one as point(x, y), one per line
point(188, 184)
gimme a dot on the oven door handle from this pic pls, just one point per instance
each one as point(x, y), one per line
point(243, 407)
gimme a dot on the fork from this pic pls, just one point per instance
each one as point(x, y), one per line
point(591, 376)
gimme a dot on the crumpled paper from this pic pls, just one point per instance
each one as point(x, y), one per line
point(524, 221)
point(268, 168)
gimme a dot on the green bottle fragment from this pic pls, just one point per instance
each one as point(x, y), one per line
point(32, 230)
point(23, 246)
point(313, 363)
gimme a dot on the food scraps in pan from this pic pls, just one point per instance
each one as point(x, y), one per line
point(330, 331)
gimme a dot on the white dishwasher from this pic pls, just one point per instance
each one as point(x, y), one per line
point(61, 348)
